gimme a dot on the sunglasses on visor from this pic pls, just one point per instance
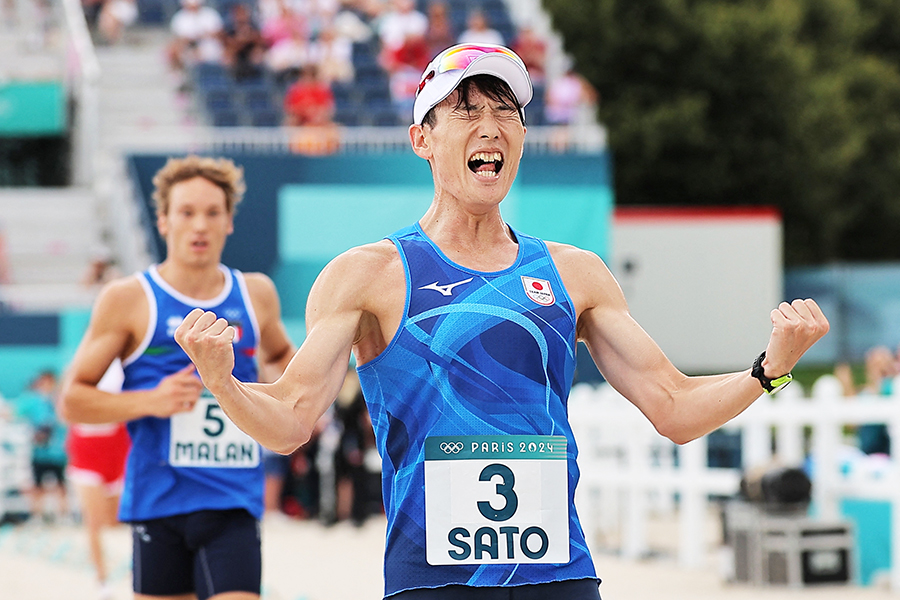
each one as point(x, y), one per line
point(461, 57)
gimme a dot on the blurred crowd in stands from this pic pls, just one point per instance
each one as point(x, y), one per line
point(318, 63)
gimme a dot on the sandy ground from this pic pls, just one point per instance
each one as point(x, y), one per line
point(306, 561)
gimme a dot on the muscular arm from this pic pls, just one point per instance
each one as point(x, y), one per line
point(281, 415)
point(681, 408)
point(113, 331)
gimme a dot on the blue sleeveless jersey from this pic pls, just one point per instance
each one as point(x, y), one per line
point(214, 466)
point(481, 361)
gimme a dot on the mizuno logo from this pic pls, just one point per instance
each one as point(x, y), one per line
point(445, 290)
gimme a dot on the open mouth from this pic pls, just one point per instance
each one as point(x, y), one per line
point(486, 164)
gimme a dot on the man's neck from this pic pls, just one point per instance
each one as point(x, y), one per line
point(483, 243)
point(201, 283)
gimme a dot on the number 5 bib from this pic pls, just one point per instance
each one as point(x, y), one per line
point(496, 500)
point(206, 437)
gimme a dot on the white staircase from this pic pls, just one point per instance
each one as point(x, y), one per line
point(138, 95)
point(50, 236)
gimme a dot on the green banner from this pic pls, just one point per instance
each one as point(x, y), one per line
point(29, 109)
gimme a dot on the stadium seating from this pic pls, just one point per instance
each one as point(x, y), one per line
point(364, 101)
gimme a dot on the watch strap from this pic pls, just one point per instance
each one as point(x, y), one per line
point(769, 385)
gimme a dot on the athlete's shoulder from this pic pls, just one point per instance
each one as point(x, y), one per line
point(127, 289)
point(567, 253)
point(259, 284)
point(360, 276)
point(579, 267)
point(121, 292)
point(367, 261)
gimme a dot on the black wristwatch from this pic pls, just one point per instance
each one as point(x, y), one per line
point(770, 385)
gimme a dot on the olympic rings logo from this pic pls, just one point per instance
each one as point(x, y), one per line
point(451, 447)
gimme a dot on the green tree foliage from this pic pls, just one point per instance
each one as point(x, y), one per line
point(787, 103)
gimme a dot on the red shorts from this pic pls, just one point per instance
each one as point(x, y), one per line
point(97, 455)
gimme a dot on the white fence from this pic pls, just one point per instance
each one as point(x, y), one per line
point(15, 467)
point(628, 471)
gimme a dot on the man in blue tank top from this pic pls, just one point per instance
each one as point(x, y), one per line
point(193, 481)
point(464, 332)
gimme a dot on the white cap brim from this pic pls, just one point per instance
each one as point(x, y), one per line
point(493, 63)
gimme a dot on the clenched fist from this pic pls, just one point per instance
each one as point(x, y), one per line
point(795, 328)
point(208, 342)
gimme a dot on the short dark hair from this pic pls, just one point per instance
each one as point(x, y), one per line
point(493, 87)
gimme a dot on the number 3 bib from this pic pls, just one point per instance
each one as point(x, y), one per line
point(496, 500)
point(206, 437)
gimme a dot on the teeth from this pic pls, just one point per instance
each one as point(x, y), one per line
point(487, 156)
point(487, 174)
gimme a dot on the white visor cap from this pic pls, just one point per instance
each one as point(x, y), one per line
point(474, 59)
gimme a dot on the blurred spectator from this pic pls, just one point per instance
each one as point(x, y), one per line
point(277, 467)
point(532, 49)
point(440, 35)
point(96, 469)
point(101, 269)
point(368, 10)
point(197, 31)
point(318, 137)
point(358, 476)
point(244, 47)
point(333, 53)
point(881, 369)
point(92, 10)
point(114, 17)
point(285, 24)
point(396, 26)
point(349, 24)
point(287, 56)
point(405, 71)
point(404, 81)
point(308, 100)
point(37, 408)
point(479, 31)
point(404, 52)
point(570, 99)
point(318, 14)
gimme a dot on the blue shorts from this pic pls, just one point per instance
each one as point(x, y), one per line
point(573, 589)
point(206, 552)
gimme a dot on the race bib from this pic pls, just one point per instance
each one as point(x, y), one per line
point(206, 437)
point(496, 500)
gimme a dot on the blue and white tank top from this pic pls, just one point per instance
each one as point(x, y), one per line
point(468, 402)
point(198, 460)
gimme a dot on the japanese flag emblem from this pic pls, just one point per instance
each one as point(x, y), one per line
point(538, 290)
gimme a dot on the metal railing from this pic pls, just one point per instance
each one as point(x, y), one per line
point(85, 82)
